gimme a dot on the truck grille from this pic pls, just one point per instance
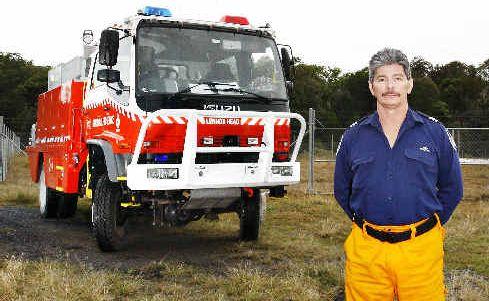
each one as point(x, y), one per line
point(170, 158)
point(216, 158)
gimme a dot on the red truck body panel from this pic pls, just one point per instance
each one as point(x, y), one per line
point(59, 138)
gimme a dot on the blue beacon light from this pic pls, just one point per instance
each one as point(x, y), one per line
point(156, 11)
point(160, 158)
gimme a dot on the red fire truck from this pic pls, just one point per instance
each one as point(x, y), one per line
point(174, 118)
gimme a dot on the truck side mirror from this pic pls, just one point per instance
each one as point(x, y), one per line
point(108, 76)
point(286, 63)
point(108, 48)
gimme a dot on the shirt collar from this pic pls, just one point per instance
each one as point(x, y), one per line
point(415, 116)
point(412, 117)
point(372, 119)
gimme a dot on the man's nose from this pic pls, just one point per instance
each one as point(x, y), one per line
point(390, 84)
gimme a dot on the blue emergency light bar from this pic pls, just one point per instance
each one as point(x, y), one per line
point(156, 11)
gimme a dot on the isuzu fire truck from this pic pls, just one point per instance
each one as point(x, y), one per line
point(174, 118)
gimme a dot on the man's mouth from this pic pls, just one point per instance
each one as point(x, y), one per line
point(391, 95)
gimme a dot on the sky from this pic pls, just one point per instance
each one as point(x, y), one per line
point(341, 33)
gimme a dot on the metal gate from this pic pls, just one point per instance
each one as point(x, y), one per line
point(9, 146)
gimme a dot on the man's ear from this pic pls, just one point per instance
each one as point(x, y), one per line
point(371, 88)
point(411, 84)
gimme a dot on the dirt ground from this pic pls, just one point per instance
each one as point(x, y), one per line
point(24, 233)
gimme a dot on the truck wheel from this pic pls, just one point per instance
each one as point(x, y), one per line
point(107, 219)
point(249, 216)
point(48, 200)
point(67, 205)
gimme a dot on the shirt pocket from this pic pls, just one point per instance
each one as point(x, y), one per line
point(421, 164)
point(362, 169)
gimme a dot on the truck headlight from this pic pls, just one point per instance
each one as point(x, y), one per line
point(162, 173)
point(282, 170)
point(208, 140)
point(252, 140)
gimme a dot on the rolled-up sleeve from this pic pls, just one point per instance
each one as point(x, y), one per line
point(343, 176)
point(450, 185)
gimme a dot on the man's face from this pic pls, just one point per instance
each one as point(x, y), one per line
point(390, 86)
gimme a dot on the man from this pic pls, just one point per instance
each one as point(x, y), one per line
point(398, 177)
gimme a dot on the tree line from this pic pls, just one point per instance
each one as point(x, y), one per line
point(20, 84)
point(455, 93)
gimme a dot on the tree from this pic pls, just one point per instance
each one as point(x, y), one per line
point(461, 87)
point(425, 97)
point(420, 67)
point(20, 84)
point(313, 86)
point(352, 98)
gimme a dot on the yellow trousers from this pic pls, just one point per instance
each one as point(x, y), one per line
point(412, 270)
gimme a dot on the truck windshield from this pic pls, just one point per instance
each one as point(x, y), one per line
point(181, 61)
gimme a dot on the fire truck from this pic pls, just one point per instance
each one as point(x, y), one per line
point(175, 119)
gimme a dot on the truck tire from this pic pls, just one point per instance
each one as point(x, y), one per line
point(67, 204)
point(249, 216)
point(107, 219)
point(48, 199)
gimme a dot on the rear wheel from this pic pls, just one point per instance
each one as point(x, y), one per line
point(249, 216)
point(48, 199)
point(107, 219)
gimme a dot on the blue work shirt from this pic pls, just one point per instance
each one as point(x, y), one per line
point(419, 176)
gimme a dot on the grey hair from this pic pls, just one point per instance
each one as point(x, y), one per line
point(388, 56)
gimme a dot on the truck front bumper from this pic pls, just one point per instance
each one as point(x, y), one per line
point(190, 175)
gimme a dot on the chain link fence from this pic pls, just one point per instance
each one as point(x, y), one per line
point(472, 145)
point(9, 146)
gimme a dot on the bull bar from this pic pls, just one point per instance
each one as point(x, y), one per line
point(198, 176)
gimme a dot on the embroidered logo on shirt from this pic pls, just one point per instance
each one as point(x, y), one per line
point(425, 149)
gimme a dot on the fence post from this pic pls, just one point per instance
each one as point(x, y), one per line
point(459, 146)
point(310, 179)
point(2, 153)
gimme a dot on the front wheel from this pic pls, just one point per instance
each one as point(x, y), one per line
point(107, 219)
point(250, 216)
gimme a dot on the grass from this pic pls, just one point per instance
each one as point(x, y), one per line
point(18, 189)
point(299, 255)
point(47, 280)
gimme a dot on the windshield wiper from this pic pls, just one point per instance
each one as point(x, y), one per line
point(213, 88)
point(234, 89)
point(245, 92)
point(213, 84)
point(189, 88)
point(183, 91)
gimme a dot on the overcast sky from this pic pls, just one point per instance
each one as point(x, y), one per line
point(341, 33)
